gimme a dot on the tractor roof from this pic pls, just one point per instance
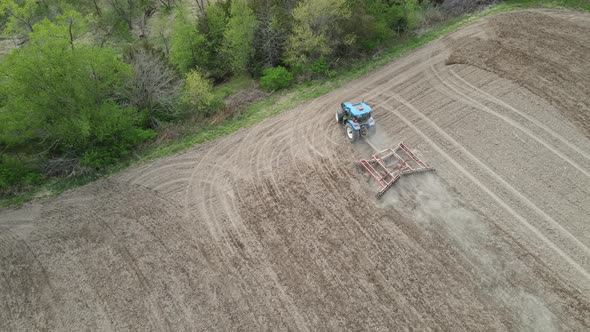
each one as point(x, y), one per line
point(357, 109)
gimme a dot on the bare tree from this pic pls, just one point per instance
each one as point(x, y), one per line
point(270, 38)
point(167, 3)
point(97, 8)
point(201, 5)
point(154, 87)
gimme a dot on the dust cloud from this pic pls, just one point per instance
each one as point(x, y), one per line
point(436, 210)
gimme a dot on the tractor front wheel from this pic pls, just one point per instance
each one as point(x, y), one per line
point(353, 135)
point(339, 116)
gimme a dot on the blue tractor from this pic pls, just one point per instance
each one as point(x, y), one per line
point(357, 120)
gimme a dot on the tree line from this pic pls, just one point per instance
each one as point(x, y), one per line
point(89, 80)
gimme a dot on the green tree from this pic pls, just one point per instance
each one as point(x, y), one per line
point(238, 45)
point(21, 15)
point(186, 44)
point(59, 97)
point(127, 10)
point(376, 21)
point(317, 32)
point(213, 25)
point(198, 95)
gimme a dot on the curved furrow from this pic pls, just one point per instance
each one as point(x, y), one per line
point(230, 212)
point(454, 92)
point(223, 210)
point(35, 260)
point(566, 186)
point(140, 174)
point(266, 147)
point(329, 188)
point(144, 282)
point(475, 91)
point(197, 171)
point(578, 267)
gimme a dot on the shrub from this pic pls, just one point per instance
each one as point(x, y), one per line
point(321, 68)
point(198, 94)
point(115, 132)
point(16, 174)
point(275, 78)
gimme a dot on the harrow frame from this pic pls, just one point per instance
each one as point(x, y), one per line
point(389, 165)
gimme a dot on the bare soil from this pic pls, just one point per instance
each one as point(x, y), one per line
point(276, 228)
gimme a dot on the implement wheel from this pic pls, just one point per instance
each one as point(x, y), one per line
point(353, 135)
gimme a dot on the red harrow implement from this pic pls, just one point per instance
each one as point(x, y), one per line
point(389, 165)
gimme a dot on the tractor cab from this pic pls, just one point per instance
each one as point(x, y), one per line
point(360, 111)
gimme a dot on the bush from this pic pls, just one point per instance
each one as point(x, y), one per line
point(99, 157)
point(16, 174)
point(275, 78)
point(115, 132)
point(321, 68)
point(198, 94)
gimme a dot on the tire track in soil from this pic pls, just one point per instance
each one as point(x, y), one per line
point(214, 214)
point(131, 261)
point(291, 179)
point(371, 238)
point(8, 237)
point(581, 270)
point(472, 90)
point(381, 89)
point(464, 98)
point(311, 151)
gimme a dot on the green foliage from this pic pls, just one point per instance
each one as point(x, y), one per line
point(187, 46)
point(275, 78)
point(317, 31)
point(16, 174)
point(60, 95)
point(412, 14)
point(238, 43)
point(321, 68)
point(256, 112)
point(21, 14)
point(126, 10)
point(213, 25)
point(116, 133)
point(271, 36)
point(376, 21)
point(198, 94)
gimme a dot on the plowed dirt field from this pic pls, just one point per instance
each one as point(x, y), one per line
point(275, 227)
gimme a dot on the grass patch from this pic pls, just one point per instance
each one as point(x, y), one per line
point(285, 99)
point(232, 86)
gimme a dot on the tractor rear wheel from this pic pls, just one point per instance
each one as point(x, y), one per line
point(371, 131)
point(353, 135)
point(339, 116)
